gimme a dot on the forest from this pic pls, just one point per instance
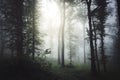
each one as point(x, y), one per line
point(59, 39)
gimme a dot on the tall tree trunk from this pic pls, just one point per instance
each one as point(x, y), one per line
point(117, 43)
point(70, 46)
point(96, 53)
point(84, 44)
point(102, 19)
point(60, 32)
point(19, 27)
point(93, 65)
point(59, 46)
point(70, 52)
point(63, 34)
point(33, 25)
point(102, 51)
point(2, 41)
point(118, 9)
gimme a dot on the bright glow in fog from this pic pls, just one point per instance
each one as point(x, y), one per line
point(49, 23)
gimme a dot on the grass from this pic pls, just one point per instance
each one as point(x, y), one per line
point(11, 69)
point(71, 73)
point(82, 72)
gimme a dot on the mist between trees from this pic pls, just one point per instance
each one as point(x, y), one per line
point(46, 35)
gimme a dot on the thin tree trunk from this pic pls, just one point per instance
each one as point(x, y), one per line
point(2, 42)
point(103, 52)
point(96, 53)
point(84, 44)
point(63, 34)
point(70, 56)
point(118, 10)
point(33, 44)
point(19, 27)
point(59, 47)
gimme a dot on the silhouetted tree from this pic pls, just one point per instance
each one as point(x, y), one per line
point(32, 37)
point(33, 44)
point(118, 8)
point(93, 65)
point(117, 43)
point(102, 19)
point(1, 28)
point(95, 44)
point(17, 6)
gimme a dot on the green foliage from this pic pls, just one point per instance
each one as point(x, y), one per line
point(25, 69)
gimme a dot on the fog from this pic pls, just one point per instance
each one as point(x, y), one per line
point(49, 23)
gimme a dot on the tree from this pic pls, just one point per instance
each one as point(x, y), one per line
point(4, 27)
point(63, 26)
point(96, 47)
point(33, 44)
point(32, 37)
point(9, 35)
point(18, 14)
point(59, 34)
point(93, 65)
point(1, 30)
point(102, 19)
point(117, 43)
point(59, 47)
point(118, 8)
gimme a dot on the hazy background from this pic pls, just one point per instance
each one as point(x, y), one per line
point(49, 21)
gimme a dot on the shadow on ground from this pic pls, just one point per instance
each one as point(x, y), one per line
point(13, 69)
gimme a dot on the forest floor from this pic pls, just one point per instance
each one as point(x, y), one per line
point(29, 70)
point(83, 73)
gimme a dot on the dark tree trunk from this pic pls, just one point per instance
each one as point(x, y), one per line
point(117, 42)
point(93, 65)
point(118, 9)
point(70, 53)
point(19, 26)
point(2, 41)
point(102, 20)
point(33, 37)
point(96, 52)
point(103, 52)
point(116, 62)
point(70, 47)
